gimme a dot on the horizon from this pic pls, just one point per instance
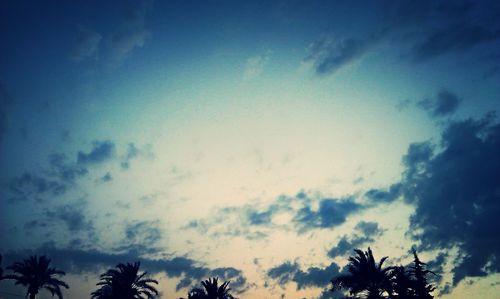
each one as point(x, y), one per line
point(260, 142)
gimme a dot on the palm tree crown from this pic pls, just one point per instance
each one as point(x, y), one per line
point(211, 290)
point(125, 282)
point(366, 277)
point(35, 274)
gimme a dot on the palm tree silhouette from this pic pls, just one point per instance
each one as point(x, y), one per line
point(125, 282)
point(35, 274)
point(366, 278)
point(211, 290)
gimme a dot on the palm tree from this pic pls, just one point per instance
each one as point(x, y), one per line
point(125, 282)
point(365, 278)
point(211, 290)
point(35, 274)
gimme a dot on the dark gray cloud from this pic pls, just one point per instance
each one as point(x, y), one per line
point(453, 38)
point(329, 56)
point(311, 277)
point(283, 273)
point(147, 232)
point(102, 151)
point(31, 186)
point(262, 217)
point(368, 228)
point(64, 170)
point(56, 180)
point(384, 196)
point(253, 223)
point(331, 213)
point(73, 216)
point(364, 233)
point(74, 260)
point(455, 191)
point(106, 178)
point(423, 30)
point(445, 103)
point(347, 244)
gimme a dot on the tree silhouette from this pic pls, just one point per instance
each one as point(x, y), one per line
point(125, 282)
point(1, 270)
point(211, 290)
point(366, 278)
point(35, 274)
point(421, 287)
point(402, 283)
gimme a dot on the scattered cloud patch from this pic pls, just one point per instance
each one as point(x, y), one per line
point(384, 196)
point(329, 55)
point(453, 38)
point(102, 151)
point(73, 216)
point(364, 233)
point(131, 32)
point(311, 277)
point(423, 31)
point(133, 152)
point(331, 213)
point(445, 103)
point(106, 178)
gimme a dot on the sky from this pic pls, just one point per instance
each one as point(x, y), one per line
point(256, 141)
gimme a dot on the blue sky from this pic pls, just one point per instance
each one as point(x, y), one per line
point(257, 141)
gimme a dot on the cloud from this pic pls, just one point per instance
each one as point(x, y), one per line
point(87, 44)
point(364, 233)
point(102, 151)
point(78, 261)
point(252, 222)
point(311, 277)
point(445, 103)
point(283, 273)
point(31, 186)
point(384, 196)
point(106, 178)
point(452, 38)
point(72, 215)
point(330, 55)
point(421, 30)
point(133, 152)
point(331, 213)
point(55, 180)
point(368, 228)
point(131, 32)
point(146, 232)
point(456, 195)
point(65, 171)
